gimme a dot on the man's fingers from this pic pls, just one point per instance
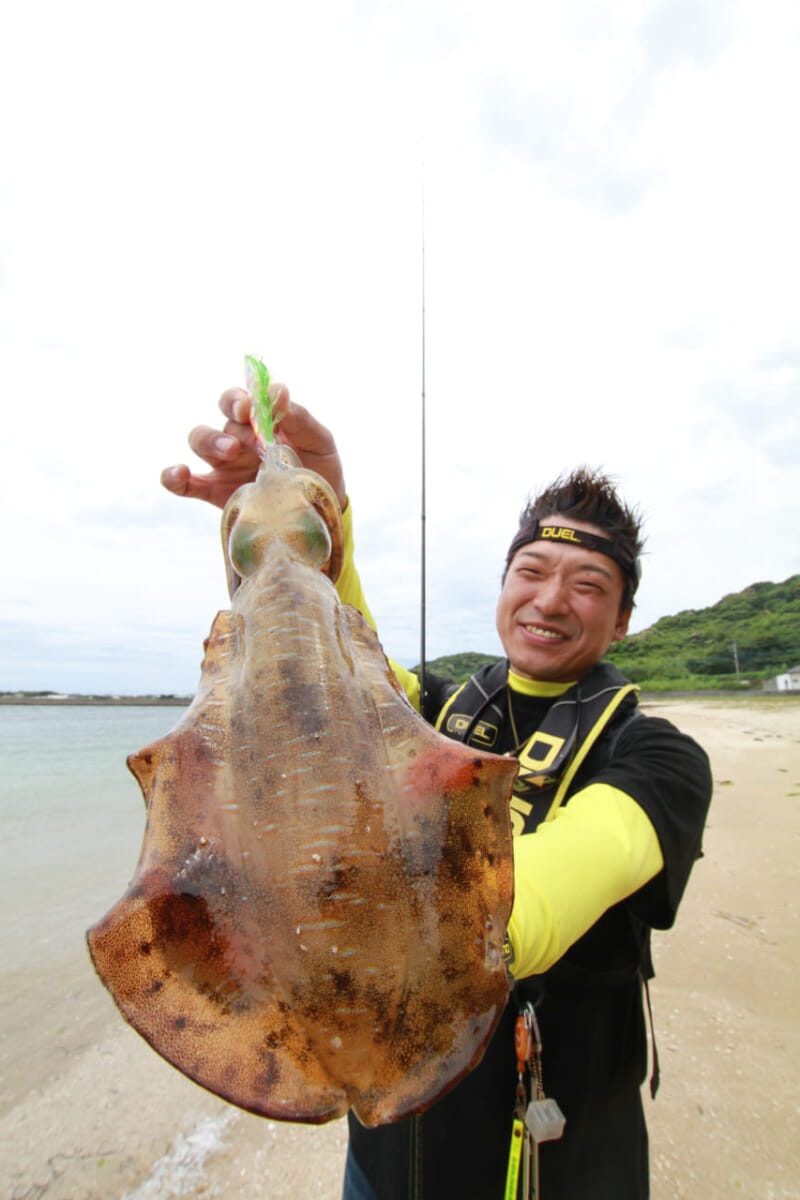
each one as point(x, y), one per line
point(180, 481)
point(175, 479)
point(235, 404)
point(213, 447)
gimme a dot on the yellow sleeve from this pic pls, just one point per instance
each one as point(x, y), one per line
point(350, 591)
point(598, 849)
point(348, 585)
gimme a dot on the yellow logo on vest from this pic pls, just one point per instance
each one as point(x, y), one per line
point(548, 747)
point(484, 734)
point(538, 753)
point(560, 533)
point(520, 810)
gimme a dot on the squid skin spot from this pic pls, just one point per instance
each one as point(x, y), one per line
point(180, 1022)
point(271, 1073)
point(343, 983)
point(230, 1076)
point(156, 986)
point(145, 947)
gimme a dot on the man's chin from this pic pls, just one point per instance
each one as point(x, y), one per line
point(540, 668)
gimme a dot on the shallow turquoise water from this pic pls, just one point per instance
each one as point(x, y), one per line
point(71, 819)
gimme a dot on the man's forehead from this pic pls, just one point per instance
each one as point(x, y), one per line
point(580, 557)
point(619, 553)
point(569, 529)
point(589, 541)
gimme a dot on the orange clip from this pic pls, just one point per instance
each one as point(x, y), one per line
point(522, 1043)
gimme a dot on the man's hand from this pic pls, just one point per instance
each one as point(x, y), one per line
point(232, 453)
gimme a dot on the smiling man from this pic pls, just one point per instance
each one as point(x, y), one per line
point(565, 599)
point(608, 812)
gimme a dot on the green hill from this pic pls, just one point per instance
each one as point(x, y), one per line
point(457, 667)
point(758, 628)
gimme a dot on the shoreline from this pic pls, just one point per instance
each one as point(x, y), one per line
point(646, 699)
point(54, 701)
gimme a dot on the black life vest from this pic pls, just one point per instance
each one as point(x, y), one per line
point(549, 758)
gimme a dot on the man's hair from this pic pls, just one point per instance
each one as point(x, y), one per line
point(590, 496)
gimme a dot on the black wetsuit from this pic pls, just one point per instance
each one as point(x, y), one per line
point(589, 1005)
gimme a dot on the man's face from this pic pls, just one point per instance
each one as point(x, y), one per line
point(559, 609)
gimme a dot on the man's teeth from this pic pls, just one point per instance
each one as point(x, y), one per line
point(548, 633)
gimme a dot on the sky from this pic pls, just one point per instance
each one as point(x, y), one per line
point(608, 198)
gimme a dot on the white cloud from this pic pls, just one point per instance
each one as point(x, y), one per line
point(611, 257)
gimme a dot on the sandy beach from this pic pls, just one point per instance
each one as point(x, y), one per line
point(89, 1112)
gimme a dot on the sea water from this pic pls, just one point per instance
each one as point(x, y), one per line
point(71, 819)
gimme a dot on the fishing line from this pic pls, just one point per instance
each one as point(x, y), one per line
point(423, 483)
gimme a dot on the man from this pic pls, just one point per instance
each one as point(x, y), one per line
point(608, 812)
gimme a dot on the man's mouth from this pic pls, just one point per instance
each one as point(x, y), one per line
point(540, 631)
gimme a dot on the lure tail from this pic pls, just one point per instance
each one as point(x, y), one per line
point(261, 417)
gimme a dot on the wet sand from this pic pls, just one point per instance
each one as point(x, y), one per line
point(89, 1112)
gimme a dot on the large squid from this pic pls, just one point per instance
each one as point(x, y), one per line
point(316, 918)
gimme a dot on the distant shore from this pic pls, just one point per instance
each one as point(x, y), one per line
point(164, 701)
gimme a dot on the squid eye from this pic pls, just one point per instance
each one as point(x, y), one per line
point(317, 538)
point(243, 547)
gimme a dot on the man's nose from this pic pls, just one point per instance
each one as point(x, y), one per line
point(551, 595)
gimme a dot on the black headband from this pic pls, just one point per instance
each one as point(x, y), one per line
point(551, 531)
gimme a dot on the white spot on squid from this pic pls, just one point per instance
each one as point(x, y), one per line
point(329, 924)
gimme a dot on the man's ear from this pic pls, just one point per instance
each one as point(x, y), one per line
point(621, 627)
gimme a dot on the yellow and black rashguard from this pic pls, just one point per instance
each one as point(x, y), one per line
point(595, 851)
point(587, 856)
point(350, 591)
point(603, 838)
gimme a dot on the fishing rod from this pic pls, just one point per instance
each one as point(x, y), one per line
point(422, 489)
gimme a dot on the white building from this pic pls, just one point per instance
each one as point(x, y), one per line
point(788, 682)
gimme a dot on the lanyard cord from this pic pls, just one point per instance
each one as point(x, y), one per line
point(488, 701)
